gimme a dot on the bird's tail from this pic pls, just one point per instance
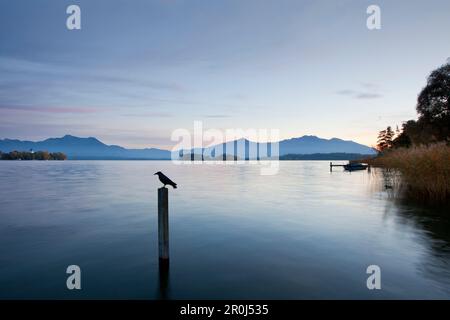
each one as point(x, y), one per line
point(174, 186)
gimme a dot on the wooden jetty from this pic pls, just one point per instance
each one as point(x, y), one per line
point(335, 165)
point(350, 166)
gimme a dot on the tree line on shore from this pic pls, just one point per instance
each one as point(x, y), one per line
point(38, 155)
point(433, 123)
point(420, 150)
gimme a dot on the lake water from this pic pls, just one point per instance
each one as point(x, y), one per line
point(302, 233)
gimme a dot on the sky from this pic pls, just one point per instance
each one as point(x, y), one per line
point(138, 70)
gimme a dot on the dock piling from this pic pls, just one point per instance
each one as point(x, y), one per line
point(163, 225)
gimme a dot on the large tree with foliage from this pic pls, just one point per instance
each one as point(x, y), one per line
point(385, 139)
point(433, 104)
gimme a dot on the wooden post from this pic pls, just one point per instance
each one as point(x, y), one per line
point(257, 151)
point(163, 280)
point(331, 166)
point(224, 155)
point(163, 224)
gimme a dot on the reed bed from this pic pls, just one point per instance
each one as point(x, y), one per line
point(424, 171)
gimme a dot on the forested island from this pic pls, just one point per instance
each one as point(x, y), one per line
point(38, 155)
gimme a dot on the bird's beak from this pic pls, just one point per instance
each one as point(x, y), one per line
point(154, 174)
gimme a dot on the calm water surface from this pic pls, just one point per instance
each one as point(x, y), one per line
point(303, 233)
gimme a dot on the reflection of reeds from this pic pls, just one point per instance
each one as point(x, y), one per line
point(424, 170)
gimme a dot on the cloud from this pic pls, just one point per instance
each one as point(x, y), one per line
point(29, 82)
point(346, 92)
point(238, 96)
point(370, 85)
point(150, 114)
point(145, 83)
point(369, 92)
point(217, 116)
point(55, 110)
point(366, 95)
point(27, 68)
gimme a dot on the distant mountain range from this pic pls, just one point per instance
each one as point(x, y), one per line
point(91, 148)
point(83, 149)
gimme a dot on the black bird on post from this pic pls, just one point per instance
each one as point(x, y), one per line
point(165, 180)
point(163, 221)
